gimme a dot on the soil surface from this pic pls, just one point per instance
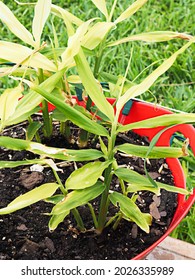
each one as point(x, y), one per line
point(25, 235)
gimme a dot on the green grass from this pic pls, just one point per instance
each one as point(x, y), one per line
point(174, 89)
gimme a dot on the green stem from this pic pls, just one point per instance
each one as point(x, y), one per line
point(99, 58)
point(78, 219)
point(93, 215)
point(107, 179)
point(104, 200)
point(65, 130)
point(47, 120)
point(112, 219)
point(62, 188)
point(83, 138)
point(117, 221)
point(47, 130)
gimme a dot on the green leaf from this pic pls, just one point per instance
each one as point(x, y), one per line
point(56, 220)
point(131, 176)
point(134, 188)
point(156, 152)
point(140, 183)
point(92, 87)
point(101, 5)
point(55, 198)
point(72, 114)
point(155, 36)
point(42, 11)
point(131, 10)
point(13, 143)
point(58, 115)
point(130, 210)
point(173, 189)
point(78, 198)
point(164, 120)
point(86, 176)
point(13, 164)
point(32, 129)
point(15, 26)
point(30, 197)
point(148, 82)
point(57, 153)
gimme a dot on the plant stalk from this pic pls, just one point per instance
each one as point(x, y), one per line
point(107, 180)
point(47, 130)
point(78, 219)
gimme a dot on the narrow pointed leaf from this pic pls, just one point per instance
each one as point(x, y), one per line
point(131, 10)
point(141, 183)
point(78, 198)
point(101, 5)
point(60, 12)
point(15, 26)
point(131, 176)
point(72, 114)
point(19, 72)
point(134, 188)
point(42, 11)
point(74, 44)
point(32, 129)
point(22, 55)
point(56, 153)
point(13, 164)
point(96, 34)
point(156, 152)
point(92, 87)
point(149, 81)
point(86, 176)
point(155, 36)
point(57, 219)
point(130, 210)
point(30, 197)
point(55, 198)
point(164, 120)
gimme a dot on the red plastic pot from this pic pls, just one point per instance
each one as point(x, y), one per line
point(141, 111)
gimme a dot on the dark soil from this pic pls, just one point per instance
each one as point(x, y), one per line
point(25, 235)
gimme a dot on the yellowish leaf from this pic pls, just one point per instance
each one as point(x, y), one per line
point(9, 101)
point(156, 36)
point(74, 79)
point(92, 87)
point(74, 44)
point(96, 34)
point(14, 25)
point(131, 10)
point(101, 5)
point(42, 11)
point(164, 120)
point(31, 197)
point(60, 12)
point(148, 82)
point(22, 55)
